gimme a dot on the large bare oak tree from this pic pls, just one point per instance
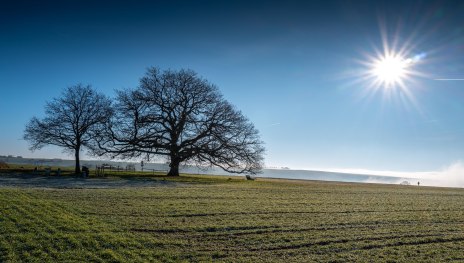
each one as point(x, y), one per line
point(69, 120)
point(181, 116)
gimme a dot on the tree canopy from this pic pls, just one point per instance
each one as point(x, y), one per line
point(69, 120)
point(183, 117)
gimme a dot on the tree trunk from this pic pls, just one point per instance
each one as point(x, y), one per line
point(77, 169)
point(174, 167)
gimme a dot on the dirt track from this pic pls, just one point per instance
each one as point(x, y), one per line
point(8, 180)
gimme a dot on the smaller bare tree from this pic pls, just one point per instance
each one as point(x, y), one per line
point(68, 121)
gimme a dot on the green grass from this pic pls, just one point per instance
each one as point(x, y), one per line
point(209, 218)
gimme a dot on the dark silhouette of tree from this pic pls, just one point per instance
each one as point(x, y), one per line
point(69, 120)
point(183, 117)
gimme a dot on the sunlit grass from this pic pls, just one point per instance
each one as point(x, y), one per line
point(209, 218)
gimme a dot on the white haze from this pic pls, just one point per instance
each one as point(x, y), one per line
point(450, 176)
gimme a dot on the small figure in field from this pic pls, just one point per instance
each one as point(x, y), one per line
point(418, 183)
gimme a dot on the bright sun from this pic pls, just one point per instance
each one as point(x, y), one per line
point(390, 69)
point(393, 68)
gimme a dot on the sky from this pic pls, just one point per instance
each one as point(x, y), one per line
point(301, 71)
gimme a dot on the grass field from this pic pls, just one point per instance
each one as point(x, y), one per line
point(220, 219)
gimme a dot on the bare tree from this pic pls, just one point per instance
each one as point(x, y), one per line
point(183, 117)
point(68, 120)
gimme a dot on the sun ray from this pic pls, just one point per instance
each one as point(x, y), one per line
point(391, 69)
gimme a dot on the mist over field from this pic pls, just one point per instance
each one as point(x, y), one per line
point(451, 176)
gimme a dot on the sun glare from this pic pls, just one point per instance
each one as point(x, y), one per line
point(390, 69)
point(393, 68)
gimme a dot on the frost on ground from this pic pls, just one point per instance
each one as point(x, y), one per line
point(7, 180)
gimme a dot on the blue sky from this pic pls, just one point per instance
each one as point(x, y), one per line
point(295, 69)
